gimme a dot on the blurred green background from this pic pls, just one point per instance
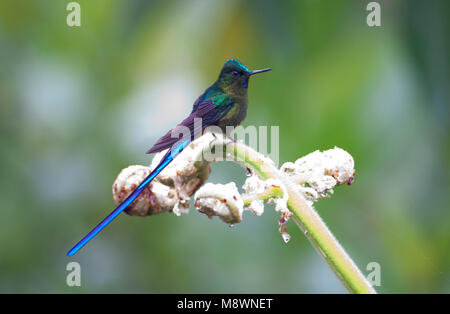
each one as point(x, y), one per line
point(79, 104)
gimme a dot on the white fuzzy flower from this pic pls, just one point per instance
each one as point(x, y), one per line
point(222, 200)
point(319, 172)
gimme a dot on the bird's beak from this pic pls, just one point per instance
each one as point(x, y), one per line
point(260, 71)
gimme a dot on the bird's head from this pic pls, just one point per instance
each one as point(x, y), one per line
point(234, 77)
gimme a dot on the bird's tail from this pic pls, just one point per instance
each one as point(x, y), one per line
point(167, 159)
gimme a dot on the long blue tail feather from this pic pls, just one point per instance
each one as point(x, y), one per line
point(167, 159)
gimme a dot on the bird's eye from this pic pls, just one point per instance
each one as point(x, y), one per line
point(235, 73)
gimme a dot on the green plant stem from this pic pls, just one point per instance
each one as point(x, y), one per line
point(307, 219)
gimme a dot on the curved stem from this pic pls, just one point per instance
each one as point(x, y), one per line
point(306, 218)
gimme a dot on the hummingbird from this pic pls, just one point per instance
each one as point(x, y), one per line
point(222, 104)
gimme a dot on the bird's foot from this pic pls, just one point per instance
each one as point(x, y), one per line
point(232, 140)
point(211, 145)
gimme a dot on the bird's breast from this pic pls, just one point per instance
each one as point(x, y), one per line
point(235, 116)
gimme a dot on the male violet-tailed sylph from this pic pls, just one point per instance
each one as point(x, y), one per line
point(223, 104)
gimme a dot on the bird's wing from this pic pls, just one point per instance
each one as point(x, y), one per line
point(187, 129)
point(198, 101)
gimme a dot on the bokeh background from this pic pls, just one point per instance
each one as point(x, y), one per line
point(79, 104)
